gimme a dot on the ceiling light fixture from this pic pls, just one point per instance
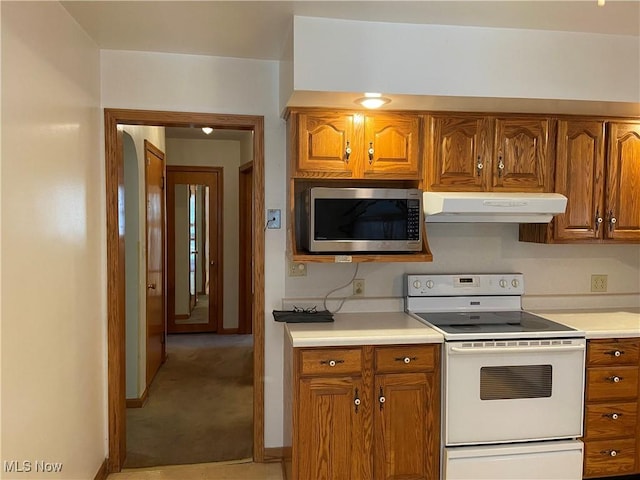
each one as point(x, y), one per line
point(601, 3)
point(207, 130)
point(373, 100)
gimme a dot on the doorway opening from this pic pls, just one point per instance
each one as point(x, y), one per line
point(116, 261)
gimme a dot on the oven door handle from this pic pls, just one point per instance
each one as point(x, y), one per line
point(488, 350)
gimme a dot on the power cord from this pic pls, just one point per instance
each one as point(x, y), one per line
point(342, 300)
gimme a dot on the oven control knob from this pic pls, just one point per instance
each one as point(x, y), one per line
point(515, 283)
point(503, 283)
point(417, 284)
point(429, 284)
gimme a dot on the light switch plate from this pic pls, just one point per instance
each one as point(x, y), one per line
point(273, 218)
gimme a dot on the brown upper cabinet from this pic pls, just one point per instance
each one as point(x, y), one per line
point(600, 180)
point(341, 144)
point(470, 152)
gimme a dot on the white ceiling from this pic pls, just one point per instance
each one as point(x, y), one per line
point(259, 29)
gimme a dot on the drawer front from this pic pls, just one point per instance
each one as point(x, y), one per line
point(410, 358)
point(610, 420)
point(609, 457)
point(331, 361)
point(613, 352)
point(602, 384)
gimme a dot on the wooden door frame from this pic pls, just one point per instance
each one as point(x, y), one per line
point(219, 171)
point(245, 235)
point(114, 169)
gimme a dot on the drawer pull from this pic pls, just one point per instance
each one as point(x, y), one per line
point(331, 363)
point(611, 453)
point(405, 359)
point(615, 353)
point(614, 379)
point(612, 416)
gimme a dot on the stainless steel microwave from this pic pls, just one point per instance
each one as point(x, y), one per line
point(366, 220)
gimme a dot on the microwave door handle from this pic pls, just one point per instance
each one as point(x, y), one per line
point(488, 350)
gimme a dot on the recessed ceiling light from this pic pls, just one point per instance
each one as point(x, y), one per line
point(207, 130)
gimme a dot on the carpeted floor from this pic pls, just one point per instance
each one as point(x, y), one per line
point(200, 405)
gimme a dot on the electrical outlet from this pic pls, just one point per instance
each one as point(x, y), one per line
point(598, 283)
point(358, 287)
point(297, 269)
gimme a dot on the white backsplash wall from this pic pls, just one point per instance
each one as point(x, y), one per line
point(556, 276)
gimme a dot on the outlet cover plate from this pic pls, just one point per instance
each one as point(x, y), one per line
point(297, 269)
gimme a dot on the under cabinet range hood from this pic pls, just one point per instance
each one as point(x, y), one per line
point(497, 207)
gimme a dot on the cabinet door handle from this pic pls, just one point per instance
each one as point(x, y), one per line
point(406, 360)
point(151, 286)
point(611, 453)
point(347, 151)
point(356, 400)
point(331, 363)
point(370, 151)
point(612, 416)
point(500, 166)
point(599, 220)
point(615, 353)
point(612, 221)
point(614, 379)
point(479, 165)
point(381, 399)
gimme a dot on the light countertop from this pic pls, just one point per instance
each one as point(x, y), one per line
point(380, 328)
point(606, 323)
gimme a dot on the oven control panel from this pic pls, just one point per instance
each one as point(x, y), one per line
point(425, 285)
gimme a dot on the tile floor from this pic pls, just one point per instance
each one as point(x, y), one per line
point(240, 470)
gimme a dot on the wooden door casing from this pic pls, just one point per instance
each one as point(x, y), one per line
point(580, 177)
point(333, 432)
point(392, 146)
point(521, 160)
point(459, 158)
point(245, 280)
point(401, 448)
point(155, 255)
point(623, 183)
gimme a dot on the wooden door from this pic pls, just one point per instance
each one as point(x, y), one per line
point(245, 282)
point(622, 214)
point(391, 146)
point(521, 161)
point(580, 177)
point(155, 275)
point(194, 249)
point(459, 153)
point(404, 426)
point(334, 434)
point(328, 143)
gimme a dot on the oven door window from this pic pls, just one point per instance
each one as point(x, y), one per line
point(516, 381)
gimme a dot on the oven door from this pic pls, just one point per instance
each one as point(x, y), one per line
point(512, 391)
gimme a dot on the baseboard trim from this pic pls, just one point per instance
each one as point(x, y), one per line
point(273, 454)
point(102, 472)
point(138, 402)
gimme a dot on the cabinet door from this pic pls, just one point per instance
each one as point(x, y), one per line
point(327, 145)
point(334, 433)
point(623, 182)
point(458, 155)
point(580, 177)
point(406, 441)
point(521, 161)
point(391, 146)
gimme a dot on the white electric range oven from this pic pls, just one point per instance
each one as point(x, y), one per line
point(513, 382)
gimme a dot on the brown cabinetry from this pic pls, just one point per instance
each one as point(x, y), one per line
point(611, 429)
point(362, 413)
point(341, 144)
point(481, 153)
point(600, 180)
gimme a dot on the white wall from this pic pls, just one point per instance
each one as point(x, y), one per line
point(219, 85)
point(226, 154)
point(155, 135)
point(441, 60)
point(52, 243)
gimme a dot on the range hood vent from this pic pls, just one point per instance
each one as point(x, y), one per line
point(497, 207)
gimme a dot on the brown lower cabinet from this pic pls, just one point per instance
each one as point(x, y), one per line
point(363, 412)
point(611, 426)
